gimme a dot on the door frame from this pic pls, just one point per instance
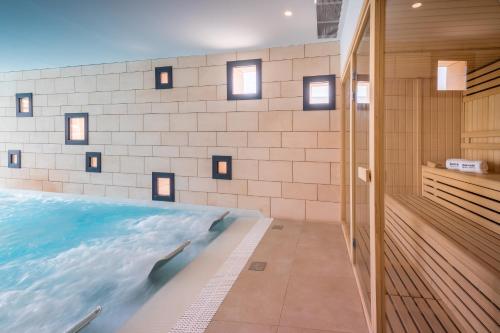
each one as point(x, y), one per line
point(374, 11)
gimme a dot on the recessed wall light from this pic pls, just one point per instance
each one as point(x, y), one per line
point(163, 186)
point(222, 167)
point(14, 159)
point(319, 92)
point(244, 79)
point(416, 5)
point(93, 162)
point(163, 77)
point(288, 13)
point(24, 105)
point(76, 128)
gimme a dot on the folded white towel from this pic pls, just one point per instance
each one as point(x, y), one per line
point(467, 165)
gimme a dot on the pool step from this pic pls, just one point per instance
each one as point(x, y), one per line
point(160, 263)
point(85, 321)
point(218, 220)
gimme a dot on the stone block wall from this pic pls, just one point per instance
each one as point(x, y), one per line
point(286, 162)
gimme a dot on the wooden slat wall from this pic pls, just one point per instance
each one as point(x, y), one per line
point(440, 123)
point(401, 139)
point(481, 116)
point(421, 124)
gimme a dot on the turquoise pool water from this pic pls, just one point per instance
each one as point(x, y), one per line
point(62, 256)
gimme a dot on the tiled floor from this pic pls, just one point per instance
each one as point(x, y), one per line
point(307, 286)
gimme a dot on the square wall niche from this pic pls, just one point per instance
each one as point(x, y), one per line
point(163, 186)
point(244, 79)
point(222, 167)
point(451, 75)
point(164, 77)
point(24, 105)
point(93, 162)
point(363, 90)
point(14, 159)
point(76, 128)
point(319, 92)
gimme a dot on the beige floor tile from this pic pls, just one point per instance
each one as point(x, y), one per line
point(308, 285)
point(276, 264)
point(322, 236)
point(321, 263)
point(324, 304)
point(256, 297)
point(278, 247)
point(288, 236)
point(235, 327)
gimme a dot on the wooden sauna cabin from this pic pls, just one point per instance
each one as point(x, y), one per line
point(442, 227)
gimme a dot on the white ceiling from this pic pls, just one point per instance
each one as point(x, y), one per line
point(40, 33)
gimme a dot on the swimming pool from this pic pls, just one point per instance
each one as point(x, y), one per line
point(62, 256)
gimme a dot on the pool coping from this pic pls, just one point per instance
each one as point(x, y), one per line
point(198, 316)
point(187, 303)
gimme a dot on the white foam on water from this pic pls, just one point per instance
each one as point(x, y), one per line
point(110, 272)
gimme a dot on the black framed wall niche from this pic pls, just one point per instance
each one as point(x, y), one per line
point(24, 105)
point(164, 78)
point(93, 162)
point(14, 159)
point(76, 128)
point(163, 186)
point(244, 79)
point(319, 92)
point(222, 167)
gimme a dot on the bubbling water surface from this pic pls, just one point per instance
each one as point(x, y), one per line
point(61, 257)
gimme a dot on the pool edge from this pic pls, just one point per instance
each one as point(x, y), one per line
point(188, 302)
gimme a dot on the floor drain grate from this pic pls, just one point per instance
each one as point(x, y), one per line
point(257, 266)
point(277, 227)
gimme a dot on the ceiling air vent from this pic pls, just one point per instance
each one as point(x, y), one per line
point(328, 16)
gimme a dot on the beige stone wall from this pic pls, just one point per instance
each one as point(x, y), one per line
point(286, 162)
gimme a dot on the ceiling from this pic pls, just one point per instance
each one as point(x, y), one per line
point(41, 33)
point(442, 25)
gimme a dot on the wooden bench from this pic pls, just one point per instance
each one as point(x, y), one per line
point(411, 303)
point(474, 196)
point(440, 260)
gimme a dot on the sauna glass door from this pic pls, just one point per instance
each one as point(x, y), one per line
point(361, 161)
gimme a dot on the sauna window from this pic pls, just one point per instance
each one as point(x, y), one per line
point(14, 159)
point(221, 167)
point(319, 92)
point(244, 79)
point(93, 162)
point(163, 186)
point(76, 128)
point(451, 75)
point(24, 105)
point(363, 92)
point(164, 77)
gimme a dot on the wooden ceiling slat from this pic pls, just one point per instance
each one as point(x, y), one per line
point(442, 24)
point(459, 17)
point(433, 4)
